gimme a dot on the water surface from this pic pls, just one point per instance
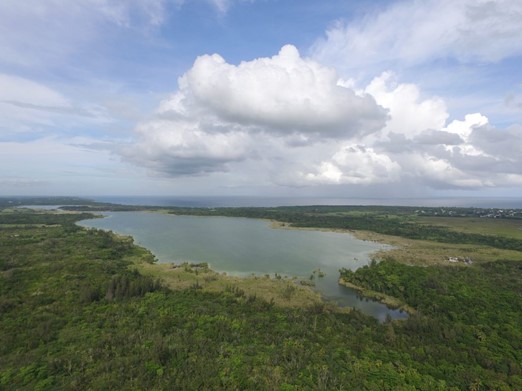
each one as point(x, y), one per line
point(261, 201)
point(243, 246)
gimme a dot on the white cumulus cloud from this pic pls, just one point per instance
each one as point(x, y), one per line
point(409, 114)
point(222, 111)
point(182, 148)
point(419, 145)
point(356, 164)
point(284, 93)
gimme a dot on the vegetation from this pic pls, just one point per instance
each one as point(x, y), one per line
point(9, 202)
point(475, 311)
point(84, 309)
point(281, 291)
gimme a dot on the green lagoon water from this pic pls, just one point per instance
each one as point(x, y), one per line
point(242, 246)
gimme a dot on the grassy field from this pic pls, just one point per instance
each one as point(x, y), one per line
point(282, 292)
point(423, 252)
point(483, 226)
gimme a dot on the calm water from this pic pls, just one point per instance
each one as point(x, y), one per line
point(243, 246)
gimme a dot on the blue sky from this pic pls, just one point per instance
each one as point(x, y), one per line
point(261, 97)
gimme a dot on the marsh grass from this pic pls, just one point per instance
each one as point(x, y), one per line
point(424, 253)
point(511, 228)
point(283, 292)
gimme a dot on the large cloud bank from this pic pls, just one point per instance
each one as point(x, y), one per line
point(288, 120)
point(224, 113)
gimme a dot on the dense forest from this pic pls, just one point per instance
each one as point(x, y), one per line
point(76, 314)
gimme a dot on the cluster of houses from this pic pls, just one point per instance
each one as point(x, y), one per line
point(502, 214)
point(465, 260)
point(491, 213)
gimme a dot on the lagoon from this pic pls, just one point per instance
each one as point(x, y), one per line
point(242, 246)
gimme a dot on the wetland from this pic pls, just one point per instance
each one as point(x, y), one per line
point(246, 247)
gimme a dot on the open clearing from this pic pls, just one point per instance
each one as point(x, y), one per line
point(483, 226)
point(423, 252)
point(283, 292)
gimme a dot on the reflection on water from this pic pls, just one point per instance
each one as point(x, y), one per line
point(243, 246)
point(348, 297)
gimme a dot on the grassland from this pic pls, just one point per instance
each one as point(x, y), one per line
point(483, 226)
point(281, 291)
point(425, 252)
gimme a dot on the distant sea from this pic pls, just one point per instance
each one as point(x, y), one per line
point(245, 201)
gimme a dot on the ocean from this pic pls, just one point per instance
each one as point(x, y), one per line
point(246, 201)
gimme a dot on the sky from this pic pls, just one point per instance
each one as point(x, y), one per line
point(385, 98)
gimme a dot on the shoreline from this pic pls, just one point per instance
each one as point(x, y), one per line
point(361, 235)
point(276, 224)
point(283, 291)
point(389, 301)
